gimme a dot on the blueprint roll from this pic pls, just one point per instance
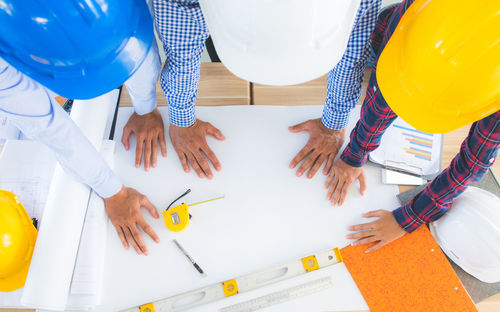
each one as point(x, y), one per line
point(51, 270)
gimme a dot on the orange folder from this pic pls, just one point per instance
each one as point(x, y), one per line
point(410, 274)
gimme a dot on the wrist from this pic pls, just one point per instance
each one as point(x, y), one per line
point(120, 192)
point(334, 120)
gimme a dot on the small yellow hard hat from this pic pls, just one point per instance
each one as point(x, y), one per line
point(440, 70)
point(17, 241)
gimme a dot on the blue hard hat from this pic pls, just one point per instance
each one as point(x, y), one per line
point(77, 48)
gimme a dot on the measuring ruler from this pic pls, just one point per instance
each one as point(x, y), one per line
point(241, 284)
point(281, 296)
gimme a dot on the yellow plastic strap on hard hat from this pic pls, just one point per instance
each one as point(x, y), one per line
point(440, 69)
point(17, 241)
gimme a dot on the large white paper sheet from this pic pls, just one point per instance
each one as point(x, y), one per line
point(87, 280)
point(59, 235)
point(26, 177)
point(268, 217)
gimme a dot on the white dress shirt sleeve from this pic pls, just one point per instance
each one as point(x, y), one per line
point(32, 108)
point(142, 85)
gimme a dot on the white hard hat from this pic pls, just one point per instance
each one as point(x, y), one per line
point(469, 234)
point(280, 42)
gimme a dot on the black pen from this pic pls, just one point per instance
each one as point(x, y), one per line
point(196, 266)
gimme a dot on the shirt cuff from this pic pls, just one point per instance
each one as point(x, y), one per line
point(353, 158)
point(182, 117)
point(335, 120)
point(109, 187)
point(143, 107)
point(407, 218)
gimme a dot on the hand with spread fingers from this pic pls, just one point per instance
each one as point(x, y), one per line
point(124, 211)
point(322, 147)
point(339, 181)
point(149, 131)
point(382, 231)
point(191, 146)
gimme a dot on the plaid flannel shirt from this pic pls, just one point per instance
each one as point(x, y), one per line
point(477, 153)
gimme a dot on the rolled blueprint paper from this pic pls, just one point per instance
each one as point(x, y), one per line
point(49, 278)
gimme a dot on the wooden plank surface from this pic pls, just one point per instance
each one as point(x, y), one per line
point(309, 93)
point(217, 86)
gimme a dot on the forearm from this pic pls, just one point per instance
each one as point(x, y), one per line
point(376, 116)
point(72, 149)
point(344, 82)
point(183, 31)
point(142, 85)
point(31, 108)
point(477, 153)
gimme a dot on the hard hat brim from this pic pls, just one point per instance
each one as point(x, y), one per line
point(100, 78)
point(393, 86)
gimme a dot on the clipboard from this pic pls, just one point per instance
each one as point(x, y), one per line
point(407, 150)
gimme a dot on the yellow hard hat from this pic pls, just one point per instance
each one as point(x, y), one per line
point(440, 69)
point(17, 241)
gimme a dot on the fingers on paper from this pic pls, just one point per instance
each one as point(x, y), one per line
point(148, 230)
point(374, 213)
point(194, 163)
point(125, 137)
point(154, 155)
point(147, 154)
point(209, 153)
point(121, 235)
point(363, 227)
point(308, 163)
point(163, 144)
point(317, 164)
point(203, 164)
point(138, 151)
point(306, 150)
point(135, 238)
point(328, 164)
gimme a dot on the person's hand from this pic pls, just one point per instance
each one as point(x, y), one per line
point(383, 231)
point(148, 131)
point(340, 179)
point(322, 146)
point(191, 146)
point(124, 211)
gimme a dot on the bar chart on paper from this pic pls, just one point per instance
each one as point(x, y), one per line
point(404, 147)
point(420, 143)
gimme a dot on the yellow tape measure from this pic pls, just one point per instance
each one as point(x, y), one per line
point(177, 218)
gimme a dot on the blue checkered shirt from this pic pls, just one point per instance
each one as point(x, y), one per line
point(183, 32)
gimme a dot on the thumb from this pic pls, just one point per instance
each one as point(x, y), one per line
point(216, 133)
point(150, 207)
point(125, 137)
point(303, 126)
point(374, 213)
